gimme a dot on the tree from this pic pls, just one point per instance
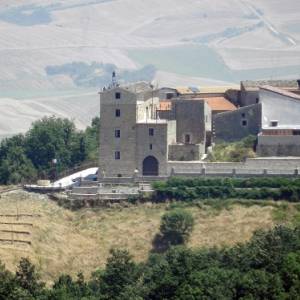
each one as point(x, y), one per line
point(50, 138)
point(7, 284)
point(120, 273)
point(92, 137)
point(176, 226)
point(291, 273)
point(24, 157)
point(28, 279)
point(259, 284)
point(15, 167)
point(66, 288)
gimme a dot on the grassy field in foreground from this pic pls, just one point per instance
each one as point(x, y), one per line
point(65, 241)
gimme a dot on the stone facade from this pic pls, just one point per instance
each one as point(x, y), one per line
point(238, 124)
point(113, 102)
point(186, 152)
point(144, 135)
point(156, 145)
point(269, 145)
point(193, 118)
point(136, 141)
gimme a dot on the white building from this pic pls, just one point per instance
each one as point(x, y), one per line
point(280, 134)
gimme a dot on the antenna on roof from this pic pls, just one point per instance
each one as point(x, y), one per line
point(114, 81)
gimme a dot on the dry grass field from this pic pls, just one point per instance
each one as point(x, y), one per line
point(64, 241)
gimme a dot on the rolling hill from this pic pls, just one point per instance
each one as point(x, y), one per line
point(173, 42)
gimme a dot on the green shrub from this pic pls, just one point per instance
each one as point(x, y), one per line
point(176, 226)
point(186, 189)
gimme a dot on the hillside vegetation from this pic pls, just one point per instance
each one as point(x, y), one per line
point(63, 241)
point(233, 152)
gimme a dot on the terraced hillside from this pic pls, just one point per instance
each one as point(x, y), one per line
point(62, 241)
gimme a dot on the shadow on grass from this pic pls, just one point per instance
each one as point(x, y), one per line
point(160, 244)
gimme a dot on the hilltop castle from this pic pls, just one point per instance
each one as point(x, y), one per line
point(145, 131)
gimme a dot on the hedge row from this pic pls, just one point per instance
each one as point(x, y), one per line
point(254, 188)
point(254, 182)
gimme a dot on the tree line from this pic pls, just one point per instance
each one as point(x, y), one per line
point(266, 267)
point(51, 145)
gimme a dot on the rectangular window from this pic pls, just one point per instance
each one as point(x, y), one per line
point(187, 139)
point(117, 133)
point(117, 155)
point(118, 95)
point(151, 131)
point(118, 113)
point(150, 146)
point(244, 123)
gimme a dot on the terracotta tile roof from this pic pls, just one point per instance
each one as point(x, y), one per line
point(219, 104)
point(165, 105)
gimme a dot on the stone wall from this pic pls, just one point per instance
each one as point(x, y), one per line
point(230, 126)
point(171, 132)
point(186, 152)
point(190, 118)
point(250, 166)
point(278, 145)
point(249, 97)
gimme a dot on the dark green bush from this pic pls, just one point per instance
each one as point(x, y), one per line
point(176, 226)
point(250, 188)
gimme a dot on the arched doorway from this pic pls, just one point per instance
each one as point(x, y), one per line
point(150, 166)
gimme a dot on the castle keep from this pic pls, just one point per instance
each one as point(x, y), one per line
point(138, 137)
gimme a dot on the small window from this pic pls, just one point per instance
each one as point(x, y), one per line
point(150, 146)
point(119, 175)
point(151, 131)
point(169, 95)
point(118, 95)
point(257, 100)
point(117, 155)
point(244, 123)
point(118, 112)
point(243, 115)
point(274, 123)
point(117, 133)
point(187, 139)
